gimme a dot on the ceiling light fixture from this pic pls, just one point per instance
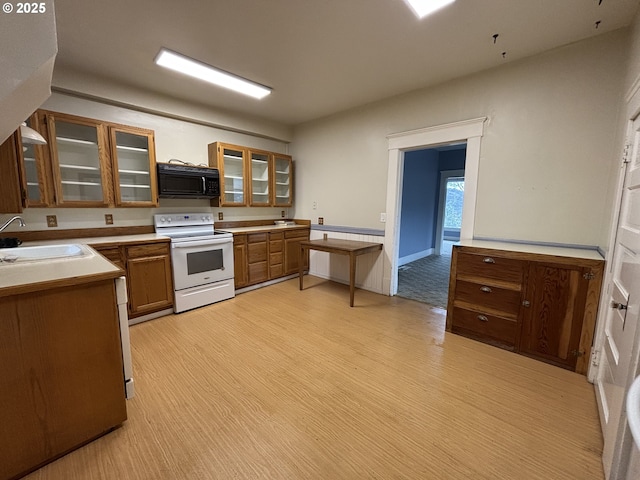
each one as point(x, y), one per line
point(180, 63)
point(422, 8)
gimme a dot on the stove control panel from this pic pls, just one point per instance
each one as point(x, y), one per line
point(182, 219)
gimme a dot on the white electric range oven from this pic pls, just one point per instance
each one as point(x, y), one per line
point(202, 259)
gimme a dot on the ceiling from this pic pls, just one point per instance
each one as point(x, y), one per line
point(319, 56)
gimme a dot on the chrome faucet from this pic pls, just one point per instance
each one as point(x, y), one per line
point(12, 219)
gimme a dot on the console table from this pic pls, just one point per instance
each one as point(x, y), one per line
point(341, 247)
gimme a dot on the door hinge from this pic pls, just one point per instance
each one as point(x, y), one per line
point(625, 153)
point(588, 276)
point(577, 353)
point(595, 358)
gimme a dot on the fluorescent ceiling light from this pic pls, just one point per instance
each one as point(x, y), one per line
point(180, 63)
point(422, 8)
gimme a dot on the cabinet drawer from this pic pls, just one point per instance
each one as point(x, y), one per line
point(275, 258)
point(484, 326)
point(301, 233)
point(275, 246)
point(276, 271)
point(110, 253)
point(490, 297)
point(239, 239)
point(490, 266)
point(257, 237)
point(150, 250)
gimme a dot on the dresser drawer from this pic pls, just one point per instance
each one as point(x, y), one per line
point(484, 326)
point(490, 297)
point(490, 266)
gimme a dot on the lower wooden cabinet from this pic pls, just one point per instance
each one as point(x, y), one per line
point(263, 256)
point(148, 272)
point(292, 240)
point(60, 371)
point(276, 254)
point(542, 306)
point(240, 263)
point(257, 256)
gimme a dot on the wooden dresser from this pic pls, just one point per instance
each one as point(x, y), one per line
point(537, 301)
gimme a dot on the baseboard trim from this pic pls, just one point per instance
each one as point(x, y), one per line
point(415, 256)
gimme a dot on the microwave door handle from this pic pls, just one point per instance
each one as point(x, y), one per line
point(204, 185)
point(201, 243)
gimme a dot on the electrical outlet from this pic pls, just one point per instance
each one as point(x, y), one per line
point(383, 217)
point(220, 216)
point(320, 220)
point(52, 221)
point(108, 219)
point(325, 236)
point(282, 213)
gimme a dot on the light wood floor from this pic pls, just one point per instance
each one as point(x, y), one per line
point(283, 384)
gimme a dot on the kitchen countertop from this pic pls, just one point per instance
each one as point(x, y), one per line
point(533, 248)
point(261, 228)
point(103, 241)
point(30, 276)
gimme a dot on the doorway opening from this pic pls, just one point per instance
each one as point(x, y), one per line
point(430, 221)
point(469, 131)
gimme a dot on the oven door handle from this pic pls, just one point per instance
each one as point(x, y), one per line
point(202, 243)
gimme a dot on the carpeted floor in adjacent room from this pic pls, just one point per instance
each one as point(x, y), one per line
point(427, 279)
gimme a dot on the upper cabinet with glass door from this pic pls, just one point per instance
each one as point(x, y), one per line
point(282, 180)
point(80, 161)
point(231, 162)
point(260, 174)
point(34, 166)
point(133, 158)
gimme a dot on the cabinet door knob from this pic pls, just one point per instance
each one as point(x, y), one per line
point(483, 318)
point(526, 303)
point(488, 260)
point(485, 289)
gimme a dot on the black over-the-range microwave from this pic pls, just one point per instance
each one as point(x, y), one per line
point(184, 181)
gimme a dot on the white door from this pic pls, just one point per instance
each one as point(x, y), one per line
point(619, 342)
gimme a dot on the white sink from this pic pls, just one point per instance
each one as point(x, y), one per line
point(42, 252)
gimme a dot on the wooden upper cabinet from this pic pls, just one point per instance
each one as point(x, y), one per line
point(25, 171)
point(260, 178)
point(231, 161)
point(80, 161)
point(35, 166)
point(282, 180)
point(11, 195)
point(133, 160)
point(86, 163)
point(251, 177)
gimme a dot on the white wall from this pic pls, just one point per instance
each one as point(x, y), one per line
point(546, 155)
point(174, 139)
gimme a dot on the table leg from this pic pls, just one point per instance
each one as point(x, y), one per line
point(301, 265)
point(352, 277)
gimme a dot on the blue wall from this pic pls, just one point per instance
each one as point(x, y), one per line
point(420, 194)
point(419, 200)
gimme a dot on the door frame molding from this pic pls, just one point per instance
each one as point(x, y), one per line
point(469, 131)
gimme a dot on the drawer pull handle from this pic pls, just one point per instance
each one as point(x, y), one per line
point(486, 289)
point(483, 318)
point(488, 260)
